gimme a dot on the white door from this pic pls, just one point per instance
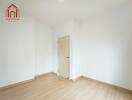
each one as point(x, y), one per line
point(64, 55)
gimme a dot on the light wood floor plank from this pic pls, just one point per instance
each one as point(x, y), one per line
point(52, 87)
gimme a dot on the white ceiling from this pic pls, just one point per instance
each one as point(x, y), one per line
point(53, 12)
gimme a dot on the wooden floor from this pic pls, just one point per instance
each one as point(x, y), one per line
point(52, 87)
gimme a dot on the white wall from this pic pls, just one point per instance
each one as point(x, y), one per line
point(101, 47)
point(101, 54)
point(26, 49)
point(44, 49)
point(17, 52)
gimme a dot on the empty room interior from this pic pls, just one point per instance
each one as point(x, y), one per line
point(65, 50)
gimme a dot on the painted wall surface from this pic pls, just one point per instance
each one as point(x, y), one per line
point(44, 49)
point(101, 47)
point(103, 55)
point(17, 52)
point(26, 49)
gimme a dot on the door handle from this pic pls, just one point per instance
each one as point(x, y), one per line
point(67, 57)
